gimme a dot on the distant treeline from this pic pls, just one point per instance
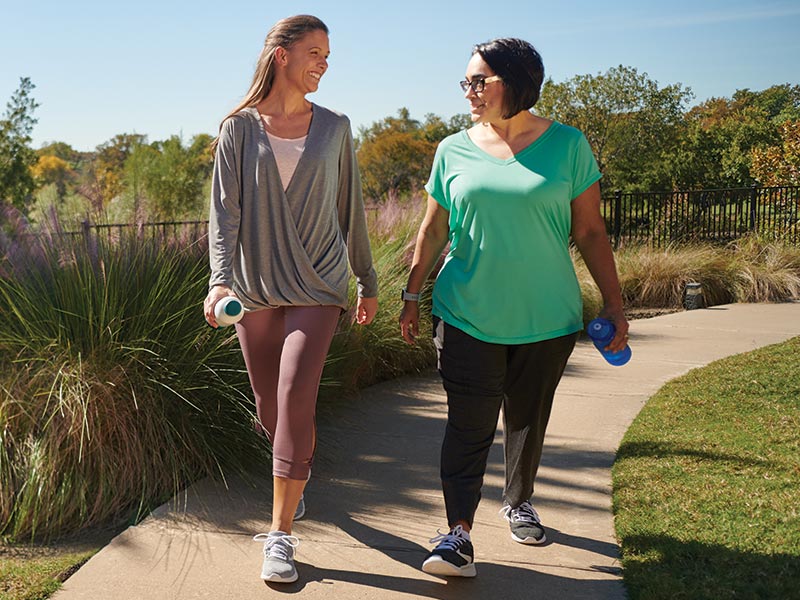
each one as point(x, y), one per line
point(646, 137)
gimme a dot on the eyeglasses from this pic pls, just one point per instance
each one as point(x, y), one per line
point(478, 83)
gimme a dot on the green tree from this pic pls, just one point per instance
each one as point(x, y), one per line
point(395, 153)
point(720, 136)
point(173, 176)
point(631, 123)
point(393, 163)
point(16, 155)
point(779, 165)
point(106, 173)
point(435, 129)
point(402, 123)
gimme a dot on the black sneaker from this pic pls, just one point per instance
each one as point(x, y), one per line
point(526, 526)
point(453, 555)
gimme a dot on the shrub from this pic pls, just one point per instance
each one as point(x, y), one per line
point(113, 392)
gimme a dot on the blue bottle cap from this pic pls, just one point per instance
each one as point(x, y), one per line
point(233, 308)
point(600, 329)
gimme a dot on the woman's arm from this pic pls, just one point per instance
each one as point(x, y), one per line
point(431, 240)
point(224, 218)
point(353, 225)
point(591, 239)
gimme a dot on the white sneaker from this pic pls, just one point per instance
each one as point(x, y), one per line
point(278, 564)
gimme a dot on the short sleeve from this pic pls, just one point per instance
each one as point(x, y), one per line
point(435, 186)
point(584, 167)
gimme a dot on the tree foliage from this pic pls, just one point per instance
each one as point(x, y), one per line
point(171, 175)
point(395, 154)
point(52, 169)
point(16, 155)
point(779, 165)
point(630, 122)
point(721, 136)
point(107, 172)
point(642, 133)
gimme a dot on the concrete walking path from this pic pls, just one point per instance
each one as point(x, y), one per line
point(374, 499)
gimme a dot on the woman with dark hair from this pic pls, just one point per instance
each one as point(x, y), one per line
point(286, 218)
point(508, 194)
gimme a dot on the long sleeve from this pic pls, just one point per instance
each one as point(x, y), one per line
point(352, 220)
point(226, 209)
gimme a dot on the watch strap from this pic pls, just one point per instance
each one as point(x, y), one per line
point(407, 296)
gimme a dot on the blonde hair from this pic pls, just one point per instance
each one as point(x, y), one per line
point(285, 33)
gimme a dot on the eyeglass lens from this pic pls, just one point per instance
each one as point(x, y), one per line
point(476, 84)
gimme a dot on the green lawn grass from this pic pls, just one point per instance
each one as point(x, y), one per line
point(30, 574)
point(706, 483)
point(35, 571)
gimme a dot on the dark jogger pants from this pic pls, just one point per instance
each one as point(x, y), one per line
point(479, 379)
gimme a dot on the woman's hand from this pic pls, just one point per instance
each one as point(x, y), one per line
point(366, 308)
point(617, 317)
point(215, 294)
point(409, 321)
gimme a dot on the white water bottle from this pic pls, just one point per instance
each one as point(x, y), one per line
point(228, 311)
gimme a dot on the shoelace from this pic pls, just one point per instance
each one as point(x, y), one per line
point(450, 540)
point(524, 512)
point(277, 546)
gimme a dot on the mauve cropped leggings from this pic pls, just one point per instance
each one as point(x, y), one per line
point(284, 349)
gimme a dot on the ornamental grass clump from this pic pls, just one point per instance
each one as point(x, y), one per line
point(360, 355)
point(767, 271)
point(750, 269)
point(113, 392)
point(656, 278)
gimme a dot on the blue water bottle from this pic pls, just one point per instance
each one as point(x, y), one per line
point(602, 331)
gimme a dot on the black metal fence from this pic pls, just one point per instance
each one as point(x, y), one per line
point(662, 218)
point(650, 218)
point(178, 231)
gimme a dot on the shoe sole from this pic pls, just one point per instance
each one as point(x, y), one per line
point(279, 579)
point(442, 567)
point(529, 541)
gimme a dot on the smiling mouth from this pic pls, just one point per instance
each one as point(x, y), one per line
point(316, 76)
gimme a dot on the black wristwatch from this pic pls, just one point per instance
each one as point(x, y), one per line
point(408, 296)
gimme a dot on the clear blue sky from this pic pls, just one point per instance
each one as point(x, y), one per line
point(165, 67)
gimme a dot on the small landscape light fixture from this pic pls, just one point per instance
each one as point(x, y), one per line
point(693, 296)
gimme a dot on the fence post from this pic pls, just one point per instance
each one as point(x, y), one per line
point(617, 217)
point(753, 197)
point(86, 228)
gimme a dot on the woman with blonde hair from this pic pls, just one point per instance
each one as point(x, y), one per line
point(286, 219)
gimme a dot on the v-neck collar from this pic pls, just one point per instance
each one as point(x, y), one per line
point(515, 157)
point(265, 138)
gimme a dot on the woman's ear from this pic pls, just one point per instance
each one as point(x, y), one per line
point(281, 56)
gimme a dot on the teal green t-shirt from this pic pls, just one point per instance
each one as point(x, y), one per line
point(508, 277)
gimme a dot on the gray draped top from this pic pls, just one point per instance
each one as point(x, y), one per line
point(276, 248)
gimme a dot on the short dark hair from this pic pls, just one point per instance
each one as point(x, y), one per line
point(520, 67)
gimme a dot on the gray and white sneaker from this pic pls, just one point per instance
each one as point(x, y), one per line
point(526, 526)
point(278, 564)
point(301, 509)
